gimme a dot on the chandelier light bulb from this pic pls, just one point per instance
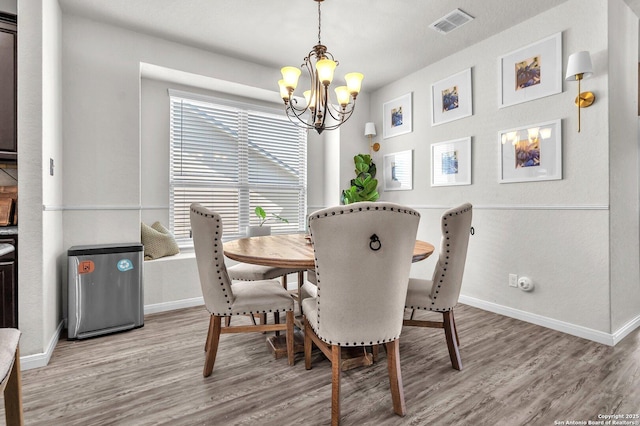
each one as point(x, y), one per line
point(343, 95)
point(325, 68)
point(354, 82)
point(290, 75)
point(284, 92)
point(311, 100)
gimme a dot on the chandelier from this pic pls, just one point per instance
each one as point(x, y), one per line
point(320, 65)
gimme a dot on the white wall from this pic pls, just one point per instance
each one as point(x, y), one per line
point(39, 134)
point(556, 232)
point(623, 163)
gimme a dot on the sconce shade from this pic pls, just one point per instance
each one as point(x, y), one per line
point(579, 63)
point(369, 129)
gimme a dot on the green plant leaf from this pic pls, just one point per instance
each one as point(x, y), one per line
point(363, 187)
point(361, 168)
point(370, 185)
point(372, 169)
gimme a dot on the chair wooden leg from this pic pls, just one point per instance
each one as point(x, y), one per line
point(455, 328)
point(300, 284)
point(212, 347)
point(206, 343)
point(336, 357)
point(227, 323)
point(308, 344)
point(263, 320)
point(289, 336)
point(395, 377)
point(13, 394)
point(375, 350)
point(283, 280)
point(276, 320)
point(452, 344)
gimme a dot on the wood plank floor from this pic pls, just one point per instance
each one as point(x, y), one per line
point(514, 374)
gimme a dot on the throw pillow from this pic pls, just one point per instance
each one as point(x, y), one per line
point(157, 241)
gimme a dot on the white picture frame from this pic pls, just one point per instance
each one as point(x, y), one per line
point(451, 162)
point(398, 171)
point(397, 116)
point(531, 72)
point(531, 153)
point(452, 98)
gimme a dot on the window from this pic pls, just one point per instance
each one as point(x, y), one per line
point(232, 157)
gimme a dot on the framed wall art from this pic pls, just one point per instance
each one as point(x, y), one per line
point(398, 171)
point(396, 116)
point(531, 72)
point(451, 98)
point(531, 153)
point(451, 162)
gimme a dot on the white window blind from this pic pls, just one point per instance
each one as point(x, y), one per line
point(232, 158)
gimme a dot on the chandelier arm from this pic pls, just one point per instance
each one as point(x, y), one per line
point(340, 122)
point(301, 124)
point(296, 112)
point(342, 116)
point(342, 111)
point(293, 107)
point(297, 119)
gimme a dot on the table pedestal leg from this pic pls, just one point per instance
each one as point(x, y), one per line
point(351, 357)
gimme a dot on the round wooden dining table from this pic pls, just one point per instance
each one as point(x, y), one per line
point(296, 251)
point(290, 251)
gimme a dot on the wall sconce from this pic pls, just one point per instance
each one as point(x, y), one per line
point(370, 131)
point(579, 67)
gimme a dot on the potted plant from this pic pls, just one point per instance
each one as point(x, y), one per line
point(365, 186)
point(262, 229)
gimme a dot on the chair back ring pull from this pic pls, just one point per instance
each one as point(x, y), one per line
point(375, 243)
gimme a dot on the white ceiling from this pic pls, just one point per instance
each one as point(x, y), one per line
point(384, 39)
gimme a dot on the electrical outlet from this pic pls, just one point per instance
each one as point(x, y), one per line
point(513, 280)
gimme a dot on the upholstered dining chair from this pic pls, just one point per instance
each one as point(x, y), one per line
point(10, 380)
point(441, 292)
point(224, 298)
point(363, 254)
point(249, 272)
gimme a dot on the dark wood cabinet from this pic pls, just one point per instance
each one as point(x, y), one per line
point(9, 284)
point(8, 89)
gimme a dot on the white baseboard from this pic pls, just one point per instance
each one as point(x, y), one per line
point(626, 329)
point(29, 362)
point(565, 327)
point(170, 306)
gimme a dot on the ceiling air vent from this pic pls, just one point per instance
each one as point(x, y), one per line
point(451, 21)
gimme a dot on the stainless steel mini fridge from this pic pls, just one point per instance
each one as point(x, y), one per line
point(105, 292)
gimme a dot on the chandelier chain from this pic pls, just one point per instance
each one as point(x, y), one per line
point(319, 19)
